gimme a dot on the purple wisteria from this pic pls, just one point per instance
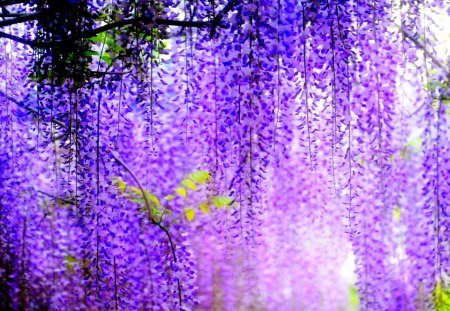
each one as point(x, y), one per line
point(224, 155)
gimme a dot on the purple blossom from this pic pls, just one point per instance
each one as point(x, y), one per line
point(318, 130)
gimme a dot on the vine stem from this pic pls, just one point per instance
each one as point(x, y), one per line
point(152, 219)
point(116, 300)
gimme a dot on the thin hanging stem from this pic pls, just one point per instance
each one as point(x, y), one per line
point(151, 218)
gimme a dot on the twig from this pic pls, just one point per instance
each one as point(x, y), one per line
point(116, 300)
point(21, 104)
point(102, 73)
point(56, 197)
point(433, 58)
point(440, 98)
point(420, 45)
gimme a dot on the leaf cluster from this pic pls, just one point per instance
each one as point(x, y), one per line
point(196, 181)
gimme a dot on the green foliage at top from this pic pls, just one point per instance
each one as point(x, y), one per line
point(72, 58)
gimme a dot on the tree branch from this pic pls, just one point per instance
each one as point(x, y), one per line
point(3, 15)
point(218, 18)
point(126, 22)
point(19, 39)
point(420, 45)
point(90, 33)
point(433, 58)
point(93, 32)
point(20, 19)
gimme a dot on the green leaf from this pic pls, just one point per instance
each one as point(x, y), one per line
point(70, 258)
point(204, 207)
point(397, 213)
point(102, 17)
point(62, 203)
point(161, 45)
point(121, 185)
point(135, 190)
point(140, 201)
point(433, 85)
point(190, 214)
point(152, 198)
point(354, 297)
point(170, 197)
point(441, 297)
point(221, 201)
point(189, 184)
point(100, 37)
point(155, 211)
point(167, 211)
point(113, 46)
point(416, 144)
point(70, 262)
point(110, 41)
point(90, 53)
point(392, 159)
point(200, 176)
point(181, 191)
point(421, 39)
point(145, 36)
point(107, 58)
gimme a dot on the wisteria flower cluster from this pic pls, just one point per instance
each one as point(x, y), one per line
point(224, 155)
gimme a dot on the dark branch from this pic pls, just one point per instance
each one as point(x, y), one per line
point(93, 32)
point(30, 43)
point(126, 22)
point(21, 19)
point(169, 22)
point(90, 33)
point(3, 15)
point(218, 18)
